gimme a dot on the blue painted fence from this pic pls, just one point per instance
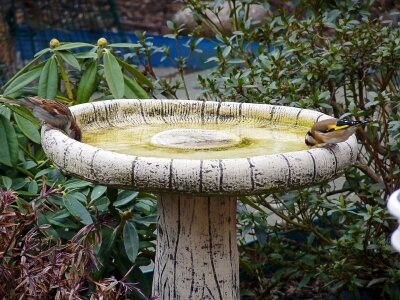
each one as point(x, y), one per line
point(28, 42)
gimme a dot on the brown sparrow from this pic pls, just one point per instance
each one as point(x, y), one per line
point(53, 113)
point(332, 131)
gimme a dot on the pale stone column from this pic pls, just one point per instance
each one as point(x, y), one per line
point(197, 255)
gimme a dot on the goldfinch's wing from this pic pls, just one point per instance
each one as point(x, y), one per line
point(344, 124)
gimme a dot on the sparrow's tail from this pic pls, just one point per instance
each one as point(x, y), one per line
point(7, 101)
point(26, 102)
point(20, 101)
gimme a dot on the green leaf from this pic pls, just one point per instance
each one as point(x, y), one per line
point(64, 223)
point(77, 195)
point(6, 182)
point(5, 111)
point(33, 187)
point(97, 191)
point(23, 70)
point(136, 73)
point(131, 241)
point(306, 279)
point(87, 86)
point(129, 93)
point(124, 45)
point(87, 54)
point(108, 242)
point(101, 203)
point(48, 82)
point(133, 90)
point(170, 24)
point(28, 164)
point(29, 129)
point(125, 197)
point(236, 61)
point(376, 281)
point(114, 76)
point(42, 220)
point(67, 46)
point(77, 209)
point(60, 214)
point(18, 183)
point(147, 220)
point(25, 113)
point(41, 52)
point(8, 144)
point(226, 51)
point(43, 172)
point(23, 80)
point(250, 202)
point(70, 59)
point(25, 91)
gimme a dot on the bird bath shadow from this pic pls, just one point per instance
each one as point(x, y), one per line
point(196, 252)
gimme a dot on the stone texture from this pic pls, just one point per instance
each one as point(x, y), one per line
point(197, 255)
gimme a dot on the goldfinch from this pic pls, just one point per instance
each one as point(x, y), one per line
point(53, 113)
point(332, 131)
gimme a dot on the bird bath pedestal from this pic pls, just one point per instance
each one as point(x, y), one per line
point(196, 254)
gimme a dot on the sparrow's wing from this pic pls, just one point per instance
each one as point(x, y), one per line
point(49, 111)
point(54, 108)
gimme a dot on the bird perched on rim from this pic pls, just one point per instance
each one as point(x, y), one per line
point(53, 113)
point(332, 131)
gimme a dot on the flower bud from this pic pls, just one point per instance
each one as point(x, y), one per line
point(54, 43)
point(126, 215)
point(102, 43)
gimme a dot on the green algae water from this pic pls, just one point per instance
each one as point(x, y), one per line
point(233, 141)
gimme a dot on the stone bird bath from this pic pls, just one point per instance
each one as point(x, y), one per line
point(196, 254)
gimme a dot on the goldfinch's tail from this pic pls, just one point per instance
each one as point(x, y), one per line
point(351, 123)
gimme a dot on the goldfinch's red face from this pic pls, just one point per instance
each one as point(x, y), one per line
point(310, 140)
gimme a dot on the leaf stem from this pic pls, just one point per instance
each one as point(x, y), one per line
point(296, 224)
point(64, 77)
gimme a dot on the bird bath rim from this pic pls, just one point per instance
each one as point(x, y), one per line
point(229, 176)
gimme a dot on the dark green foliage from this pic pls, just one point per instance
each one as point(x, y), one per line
point(49, 214)
point(341, 61)
point(60, 235)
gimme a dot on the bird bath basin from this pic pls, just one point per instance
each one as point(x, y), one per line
point(199, 141)
point(198, 157)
